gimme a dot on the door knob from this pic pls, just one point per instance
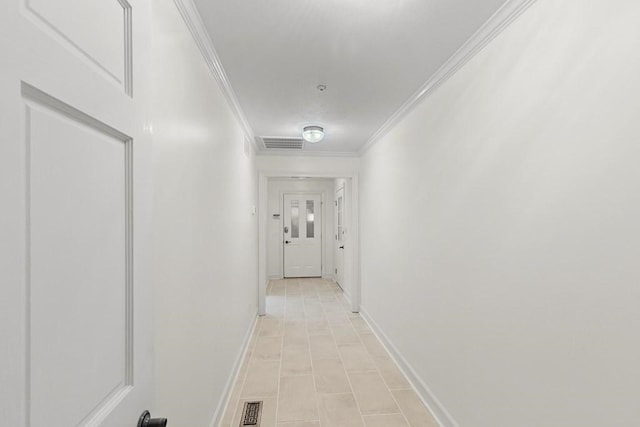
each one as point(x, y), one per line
point(287, 241)
point(342, 247)
point(146, 421)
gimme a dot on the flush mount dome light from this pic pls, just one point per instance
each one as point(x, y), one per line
point(313, 134)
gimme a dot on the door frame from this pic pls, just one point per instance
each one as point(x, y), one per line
point(335, 241)
point(352, 251)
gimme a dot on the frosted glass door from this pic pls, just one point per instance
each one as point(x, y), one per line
point(302, 235)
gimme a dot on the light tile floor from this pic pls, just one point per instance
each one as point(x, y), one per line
point(315, 364)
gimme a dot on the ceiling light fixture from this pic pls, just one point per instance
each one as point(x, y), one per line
point(313, 134)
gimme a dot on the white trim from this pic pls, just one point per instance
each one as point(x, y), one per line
point(196, 26)
point(303, 153)
point(223, 403)
point(499, 21)
point(345, 293)
point(352, 249)
point(437, 409)
point(263, 203)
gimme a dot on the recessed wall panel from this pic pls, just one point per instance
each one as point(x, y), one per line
point(79, 278)
point(98, 30)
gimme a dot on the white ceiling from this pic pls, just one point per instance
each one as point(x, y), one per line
point(373, 55)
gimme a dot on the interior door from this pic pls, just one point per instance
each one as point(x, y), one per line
point(75, 327)
point(339, 236)
point(302, 235)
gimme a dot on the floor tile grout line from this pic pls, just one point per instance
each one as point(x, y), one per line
point(334, 303)
point(387, 355)
point(301, 375)
point(353, 393)
point(404, 416)
point(284, 317)
point(392, 395)
point(313, 371)
point(377, 370)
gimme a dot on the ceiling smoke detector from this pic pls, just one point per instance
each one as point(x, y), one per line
point(313, 134)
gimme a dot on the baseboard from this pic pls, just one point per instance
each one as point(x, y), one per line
point(216, 419)
point(439, 412)
point(346, 294)
point(327, 276)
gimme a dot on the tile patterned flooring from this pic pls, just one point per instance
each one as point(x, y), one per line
point(315, 364)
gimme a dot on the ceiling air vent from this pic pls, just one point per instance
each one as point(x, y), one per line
point(280, 143)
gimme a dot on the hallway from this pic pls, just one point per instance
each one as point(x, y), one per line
point(314, 363)
point(474, 191)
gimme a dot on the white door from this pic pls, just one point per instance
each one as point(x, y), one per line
point(302, 235)
point(75, 327)
point(339, 236)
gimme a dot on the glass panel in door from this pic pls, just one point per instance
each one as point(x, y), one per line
point(310, 219)
point(295, 220)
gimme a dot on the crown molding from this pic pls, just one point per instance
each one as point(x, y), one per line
point(498, 22)
point(194, 22)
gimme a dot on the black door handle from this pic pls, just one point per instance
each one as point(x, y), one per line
point(287, 241)
point(341, 247)
point(146, 421)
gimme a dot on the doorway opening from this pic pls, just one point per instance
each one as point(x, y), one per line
point(293, 212)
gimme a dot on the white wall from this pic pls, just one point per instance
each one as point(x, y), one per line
point(276, 187)
point(205, 234)
point(500, 225)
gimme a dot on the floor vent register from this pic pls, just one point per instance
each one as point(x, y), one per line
point(251, 414)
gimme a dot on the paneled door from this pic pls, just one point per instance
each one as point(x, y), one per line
point(302, 235)
point(339, 236)
point(75, 314)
